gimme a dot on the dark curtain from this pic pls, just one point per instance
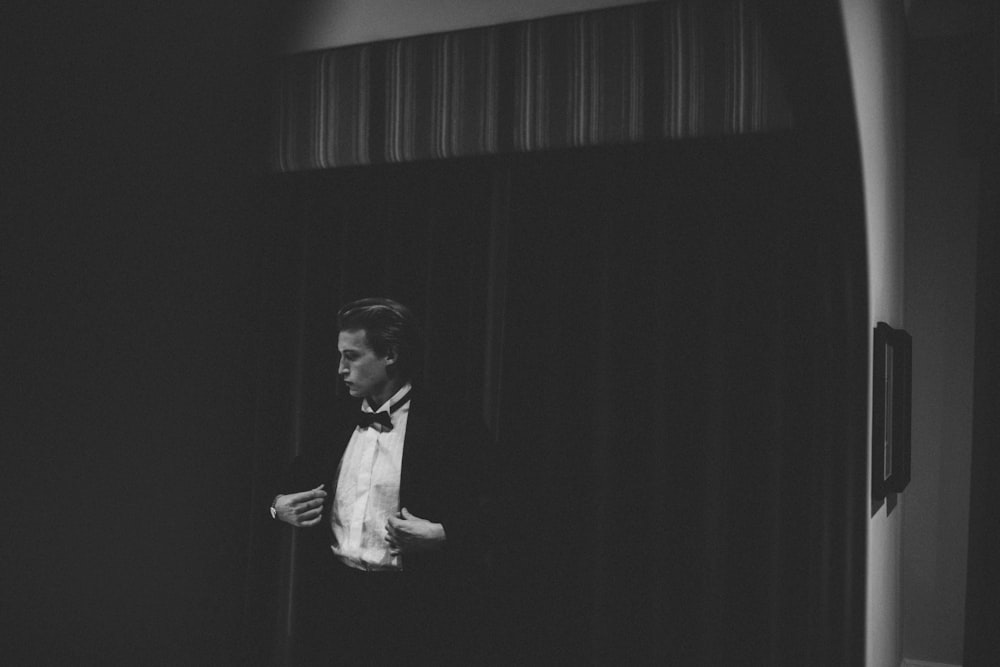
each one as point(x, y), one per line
point(682, 408)
point(670, 344)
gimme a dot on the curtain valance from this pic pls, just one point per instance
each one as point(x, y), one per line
point(645, 72)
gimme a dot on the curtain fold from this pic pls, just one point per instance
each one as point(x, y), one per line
point(646, 72)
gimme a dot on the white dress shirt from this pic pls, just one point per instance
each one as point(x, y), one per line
point(368, 490)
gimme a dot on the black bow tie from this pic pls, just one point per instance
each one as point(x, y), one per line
point(366, 419)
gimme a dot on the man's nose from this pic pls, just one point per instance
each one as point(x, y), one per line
point(342, 368)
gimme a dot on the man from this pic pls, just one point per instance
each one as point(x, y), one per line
point(392, 508)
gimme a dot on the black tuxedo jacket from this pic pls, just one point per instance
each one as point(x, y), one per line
point(445, 478)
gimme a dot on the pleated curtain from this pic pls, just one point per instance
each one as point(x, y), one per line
point(646, 72)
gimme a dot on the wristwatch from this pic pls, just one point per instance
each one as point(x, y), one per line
point(274, 511)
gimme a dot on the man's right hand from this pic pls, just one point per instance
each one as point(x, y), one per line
point(301, 509)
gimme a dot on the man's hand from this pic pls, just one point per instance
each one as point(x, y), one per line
point(407, 534)
point(301, 509)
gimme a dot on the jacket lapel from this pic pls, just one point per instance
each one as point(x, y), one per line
point(414, 450)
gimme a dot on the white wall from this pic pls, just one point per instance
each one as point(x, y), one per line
point(941, 263)
point(942, 197)
point(875, 34)
point(322, 24)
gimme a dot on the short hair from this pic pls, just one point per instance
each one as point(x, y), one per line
point(388, 325)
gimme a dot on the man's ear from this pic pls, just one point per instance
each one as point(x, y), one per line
point(390, 356)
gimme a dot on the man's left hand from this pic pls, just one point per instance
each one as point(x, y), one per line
point(407, 534)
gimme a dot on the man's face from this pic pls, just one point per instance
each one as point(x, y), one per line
point(363, 371)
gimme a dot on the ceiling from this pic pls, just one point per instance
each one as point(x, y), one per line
point(943, 18)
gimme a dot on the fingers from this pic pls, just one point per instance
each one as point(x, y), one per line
point(315, 494)
point(302, 508)
point(292, 498)
point(394, 531)
point(395, 548)
point(303, 496)
point(308, 519)
point(311, 514)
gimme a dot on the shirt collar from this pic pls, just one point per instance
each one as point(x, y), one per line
point(392, 400)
